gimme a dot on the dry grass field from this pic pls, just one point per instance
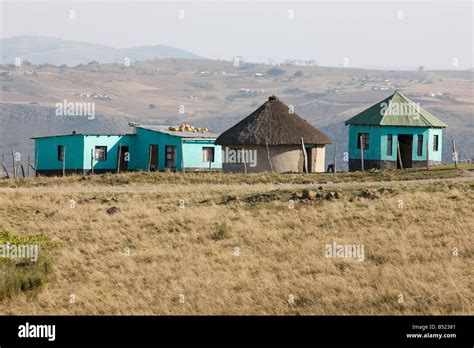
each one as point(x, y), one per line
point(213, 247)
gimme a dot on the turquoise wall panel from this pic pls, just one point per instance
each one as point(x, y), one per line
point(145, 138)
point(46, 152)
point(112, 142)
point(193, 154)
point(373, 153)
point(378, 142)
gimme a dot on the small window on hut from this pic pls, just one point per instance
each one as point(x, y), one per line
point(389, 144)
point(208, 154)
point(60, 153)
point(420, 145)
point(365, 140)
point(101, 153)
point(436, 142)
point(170, 156)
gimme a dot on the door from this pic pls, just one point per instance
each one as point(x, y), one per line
point(309, 155)
point(124, 157)
point(153, 158)
point(405, 142)
point(170, 151)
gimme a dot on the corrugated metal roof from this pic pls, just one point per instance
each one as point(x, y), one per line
point(165, 130)
point(82, 134)
point(396, 110)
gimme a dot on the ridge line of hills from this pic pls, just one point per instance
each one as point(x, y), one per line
point(56, 51)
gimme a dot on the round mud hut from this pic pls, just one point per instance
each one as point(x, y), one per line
point(273, 139)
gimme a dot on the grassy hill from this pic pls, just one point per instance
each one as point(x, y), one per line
point(206, 244)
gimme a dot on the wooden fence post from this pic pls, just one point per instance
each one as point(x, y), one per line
point(118, 159)
point(182, 158)
point(13, 163)
point(149, 156)
point(305, 156)
point(92, 161)
point(36, 162)
point(335, 151)
point(399, 155)
point(428, 152)
point(64, 161)
point(455, 155)
point(361, 153)
point(268, 156)
point(4, 167)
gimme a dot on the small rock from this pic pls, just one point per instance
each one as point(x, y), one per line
point(231, 199)
point(330, 196)
point(112, 210)
point(308, 194)
point(297, 196)
point(370, 194)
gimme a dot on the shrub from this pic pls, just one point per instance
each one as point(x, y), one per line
point(275, 72)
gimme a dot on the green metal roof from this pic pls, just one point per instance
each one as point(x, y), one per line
point(396, 110)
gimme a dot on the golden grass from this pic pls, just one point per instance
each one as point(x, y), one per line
point(246, 258)
point(140, 178)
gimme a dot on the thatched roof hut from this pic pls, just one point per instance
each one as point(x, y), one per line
point(276, 134)
point(272, 123)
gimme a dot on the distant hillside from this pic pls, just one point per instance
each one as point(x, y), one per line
point(216, 95)
point(143, 53)
point(55, 51)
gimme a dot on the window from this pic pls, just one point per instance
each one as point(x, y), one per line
point(365, 140)
point(389, 144)
point(61, 153)
point(420, 145)
point(436, 143)
point(101, 153)
point(208, 154)
point(170, 156)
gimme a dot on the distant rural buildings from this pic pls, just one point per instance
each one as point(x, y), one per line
point(394, 133)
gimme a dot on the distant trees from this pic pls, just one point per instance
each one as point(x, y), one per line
point(421, 68)
point(275, 72)
point(299, 73)
point(152, 106)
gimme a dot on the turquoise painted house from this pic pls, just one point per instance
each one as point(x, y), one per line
point(148, 148)
point(394, 133)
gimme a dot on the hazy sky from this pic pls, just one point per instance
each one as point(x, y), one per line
point(385, 34)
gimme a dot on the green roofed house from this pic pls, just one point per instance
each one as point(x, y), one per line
point(393, 133)
point(147, 148)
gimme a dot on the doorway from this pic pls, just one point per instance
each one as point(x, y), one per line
point(309, 157)
point(405, 142)
point(153, 158)
point(124, 155)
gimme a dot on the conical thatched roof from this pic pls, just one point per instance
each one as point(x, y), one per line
point(272, 124)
